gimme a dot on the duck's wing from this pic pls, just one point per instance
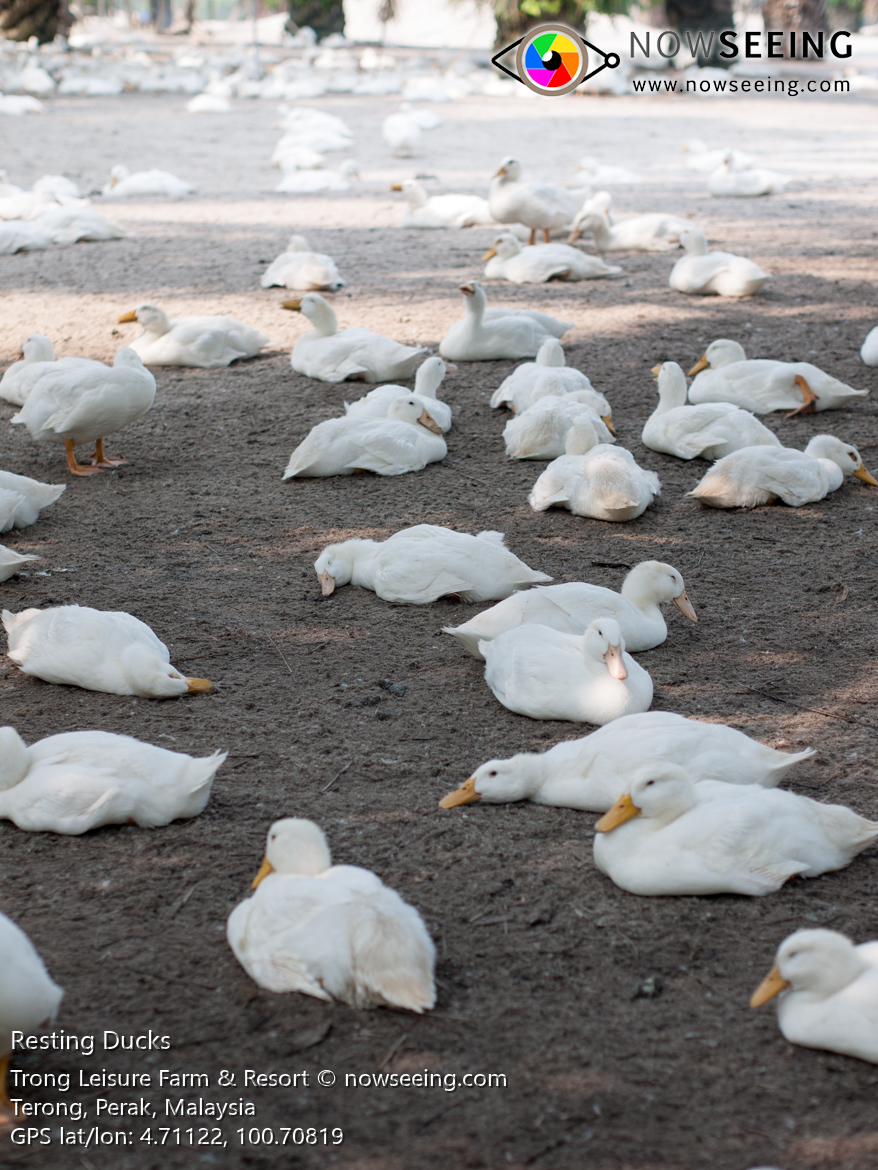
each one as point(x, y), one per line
point(384, 448)
point(66, 798)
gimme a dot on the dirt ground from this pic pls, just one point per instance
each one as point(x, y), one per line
point(540, 957)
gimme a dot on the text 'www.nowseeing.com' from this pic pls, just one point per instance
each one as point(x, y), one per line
point(791, 86)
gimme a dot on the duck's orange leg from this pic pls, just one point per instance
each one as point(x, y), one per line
point(99, 459)
point(808, 395)
point(78, 468)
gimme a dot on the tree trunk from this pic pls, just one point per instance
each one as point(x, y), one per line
point(705, 16)
point(807, 15)
point(324, 16)
point(22, 19)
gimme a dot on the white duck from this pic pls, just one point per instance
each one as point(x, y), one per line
point(80, 780)
point(540, 432)
point(725, 374)
point(330, 931)
point(428, 379)
point(406, 439)
point(421, 564)
point(571, 607)
point(402, 133)
point(642, 233)
point(332, 354)
point(70, 225)
point(605, 483)
point(315, 182)
point(539, 263)
point(146, 184)
point(591, 172)
point(441, 211)
point(753, 476)
point(99, 651)
point(704, 160)
point(485, 335)
point(527, 383)
point(18, 236)
point(828, 990)
point(38, 358)
point(33, 497)
point(292, 156)
point(539, 206)
point(869, 348)
point(11, 562)
point(727, 180)
point(205, 342)
point(591, 773)
point(708, 431)
point(81, 404)
point(587, 678)
point(668, 835)
point(301, 269)
point(29, 999)
point(704, 273)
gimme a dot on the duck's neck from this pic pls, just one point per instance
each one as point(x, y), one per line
point(323, 318)
point(427, 382)
point(475, 306)
point(671, 394)
point(159, 325)
point(640, 593)
point(696, 245)
point(416, 195)
point(363, 569)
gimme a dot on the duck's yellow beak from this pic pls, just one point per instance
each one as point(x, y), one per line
point(490, 252)
point(623, 810)
point(264, 870)
point(126, 317)
point(656, 370)
point(773, 984)
point(866, 476)
point(616, 663)
point(327, 584)
point(685, 606)
point(199, 686)
point(466, 794)
point(396, 186)
point(497, 174)
point(295, 305)
point(607, 420)
point(700, 365)
point(574, 235)
point(427, 420)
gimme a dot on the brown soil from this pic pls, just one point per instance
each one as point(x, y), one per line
point(539, 956)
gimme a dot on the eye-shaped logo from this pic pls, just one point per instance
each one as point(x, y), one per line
point(553, 60)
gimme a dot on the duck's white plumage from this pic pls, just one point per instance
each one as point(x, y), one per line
point(668, 835)
point(441, 211)
point(309, 181)
point(541, 431)
point(418, 565)
point(707, 431)
point(206, 342)
point(38, 358)
point(539, 206)
point(33, 497)
point(401, 131)
point(80, 780)
point(538, 263)
point(301, 269)
point(145, 184)
point(704, 273)
point(71, 224)
point(704, 160)
point(11, 562)
point(428, 379)
point(605, 483)
point(333, 355)
point(330, 931)
point(655, 232)
point(75, 645)
point(869, 348)
point(525, 385)
point(570, 608)
point(491, 334)
point(730, 181)
point(545, 674)
point(591, 773)
point(16, 236)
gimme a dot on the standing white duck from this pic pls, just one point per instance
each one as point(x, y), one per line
point(485, 335)
point(708, 431)
point(725, 374)
point(539, 263)
point(315, 182)
point(74, 645)
point(428, 379)
point(79, 780)
point(82, 404)
point(11, 562)
point(38, 358)
point(828, 990)
point(728, 180)
point(703, 273)
point(418, 565)
point(587, 678)
point(527, 384)
point(591, 773)
point(29, 999)
point(33, 497)
point(332, 354)
point(441, 211)
point(541, 431)
point(330, 931)
point(406, 439)
point(205, 342)
point(668, 835)
point(571, 607)
point(753, 476)
point(145, 184)
point(605, 483)
point(301, 269)
point(869, 348)
point(539, 206)
point(642, 233)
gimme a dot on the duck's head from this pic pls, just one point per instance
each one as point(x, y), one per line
point(551, 353)
point(653, 583)
point(410, 410)
point(117, 174)
point(13, 758)
point(818, 962)
point(127, 357)
point(582, 436)
point(297, 243)
point(38, 348)
point(603, 639)
point(722, 352)
point(843, 455)
point(151, 317)
point(509, 169)
point(318, 311)
point(335, 566)
point(671, 384)
point(693, 242)
point(505, 246)
point(294, 846)
point(431, 374)
point(660, 792)
point(148, 674)
point(497, 782)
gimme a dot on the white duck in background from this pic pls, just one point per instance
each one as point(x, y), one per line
point(668, 835)
point(77, 781)
point(33, 497)
point(537, 264)
point(591, 773)
point(587, 678)
point(29, 1000)
point(869, 348)
point(703, 160)
point(571, 607)
point(74, 645)
point(527, 383)
point(605, 483)
point(708, 431)
point(72, 225)
point(301, 269)
point(18, 236)
point(407, 438)
point(418, 565)
point(753, 476)
point(441, 211)
point(704, 273)
point(727, 180)
point(725, 374)
point(642, 233)
point(145, 184)
point(330, 931)
point(402, 132)
point(485, 335)
point(541, 431)
point(315, 182)
point(828, 990)
point(11, 562)
point(206, 342)
point(591, 172)
point(332, 354)
point(430, 376)
point(83, 403)
point(539, 206)
point(38, 358)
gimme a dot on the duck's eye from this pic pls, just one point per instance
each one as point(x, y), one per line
point(650, 783)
